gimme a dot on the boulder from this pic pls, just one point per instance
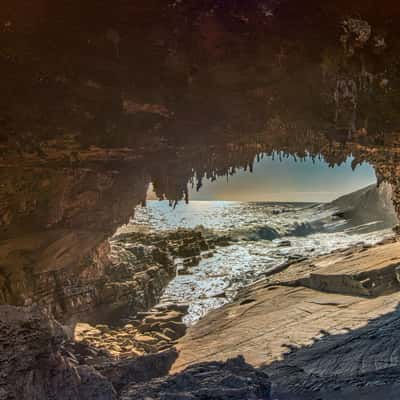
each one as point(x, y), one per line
point(230, 380)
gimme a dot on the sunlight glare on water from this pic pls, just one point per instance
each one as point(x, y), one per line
point(258, 230)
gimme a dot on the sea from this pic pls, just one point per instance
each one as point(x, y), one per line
point(265, 235)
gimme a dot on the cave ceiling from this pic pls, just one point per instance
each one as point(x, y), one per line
point(100, 98)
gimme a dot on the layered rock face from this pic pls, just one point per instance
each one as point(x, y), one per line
point(35, 363)
point(142, 262)
point(118, 279)
point(141, 265)
point(53, 251)
point(38, 361)
point(371, 207)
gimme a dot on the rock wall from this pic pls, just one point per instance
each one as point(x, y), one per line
point(39, 362)
point(35, 365)
point(55, 229)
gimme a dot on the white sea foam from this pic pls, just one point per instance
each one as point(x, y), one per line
point(266, 235)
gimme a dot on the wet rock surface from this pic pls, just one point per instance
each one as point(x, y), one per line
point(144, 261)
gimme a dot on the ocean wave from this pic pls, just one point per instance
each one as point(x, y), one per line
point(266, 232)
point(264, 237)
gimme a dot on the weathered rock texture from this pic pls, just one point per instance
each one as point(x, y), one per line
point(313, 327)
point(370, 208)
point(140, 265)
point(38, 361)
point(142, 262)
point(359, 364)
point(35, 365)
point(115, 279)
point(137, 370)
point(56, 224)
point(158, 331)
point(232, 380)
point(99, 99)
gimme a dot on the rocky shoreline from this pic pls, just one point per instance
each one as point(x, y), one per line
point(125, 335)
point(142, 262)
point(156, 332)
point(322, 328)
point(98, 100)
point(279, 339)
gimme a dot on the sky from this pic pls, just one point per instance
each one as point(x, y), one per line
point(288, 180)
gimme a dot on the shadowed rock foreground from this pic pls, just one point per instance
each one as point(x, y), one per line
point(233, 379)
point(28, 338)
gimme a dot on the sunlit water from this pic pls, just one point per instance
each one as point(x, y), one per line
point(259, 230)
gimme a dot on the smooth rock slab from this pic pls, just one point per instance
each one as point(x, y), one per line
point(306, 340)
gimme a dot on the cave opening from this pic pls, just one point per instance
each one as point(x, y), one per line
point(199, 200)
point(195, 256)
